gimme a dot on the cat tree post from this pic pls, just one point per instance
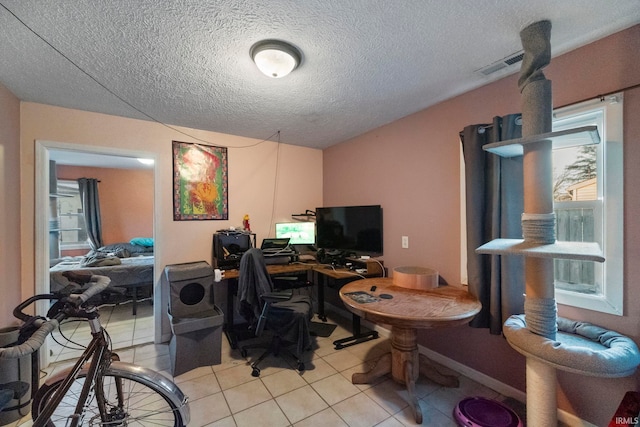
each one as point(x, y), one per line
point(547, 341)
point(538, 199)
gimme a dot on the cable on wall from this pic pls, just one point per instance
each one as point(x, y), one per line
point(275, 187)
point(120, 98)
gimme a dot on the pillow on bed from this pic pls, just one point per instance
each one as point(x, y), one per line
point(142, 241)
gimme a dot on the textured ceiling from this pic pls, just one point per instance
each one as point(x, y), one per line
point(365, 62)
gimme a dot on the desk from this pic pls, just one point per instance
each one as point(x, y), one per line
point(326, 276)
point(408, 311)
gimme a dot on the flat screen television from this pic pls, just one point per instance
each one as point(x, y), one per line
point(350, 229)
point(299, 233)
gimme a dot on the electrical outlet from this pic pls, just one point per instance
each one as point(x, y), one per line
point(405, 242)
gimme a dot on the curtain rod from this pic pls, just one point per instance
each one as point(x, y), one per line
point(600, 96)
point(481, 129)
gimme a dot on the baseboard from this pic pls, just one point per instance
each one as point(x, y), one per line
point(572, 420)
point(477, 376)
point(502, 388)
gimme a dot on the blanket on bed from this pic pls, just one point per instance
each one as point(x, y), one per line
point(130, 271)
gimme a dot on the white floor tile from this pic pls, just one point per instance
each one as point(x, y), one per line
point(227, 395)
point(301, 403)
point(246, 395)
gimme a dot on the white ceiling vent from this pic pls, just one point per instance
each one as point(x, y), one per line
point(508, 61)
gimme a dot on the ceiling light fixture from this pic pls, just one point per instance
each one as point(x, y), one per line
point(275, 58)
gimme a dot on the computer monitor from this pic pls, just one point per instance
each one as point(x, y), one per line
point(350, 229)
point(299, 233)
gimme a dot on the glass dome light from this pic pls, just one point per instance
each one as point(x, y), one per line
point(275, 58)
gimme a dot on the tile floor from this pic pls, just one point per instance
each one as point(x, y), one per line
point(323, 395)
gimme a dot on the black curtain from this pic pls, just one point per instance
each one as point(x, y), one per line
point(494, 205)
point(88, 188)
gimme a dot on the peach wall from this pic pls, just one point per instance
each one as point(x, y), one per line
point(126, 200)
point(411, 167)
point(9, 205)
point(256, 187)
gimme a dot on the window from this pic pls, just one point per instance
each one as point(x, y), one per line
point(73, 230)
point(588, 202)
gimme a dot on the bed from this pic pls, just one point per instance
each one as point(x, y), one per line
point(129, 266)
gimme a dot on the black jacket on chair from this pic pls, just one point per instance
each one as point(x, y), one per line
point(287, 319)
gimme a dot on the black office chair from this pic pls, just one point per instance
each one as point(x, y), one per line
point(286, 315)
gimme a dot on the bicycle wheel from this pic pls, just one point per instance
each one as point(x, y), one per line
point(144, 404)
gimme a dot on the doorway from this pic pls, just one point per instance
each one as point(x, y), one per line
point(73, 156)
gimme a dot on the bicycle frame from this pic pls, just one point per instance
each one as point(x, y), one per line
point(97, 349)
point(100, 369)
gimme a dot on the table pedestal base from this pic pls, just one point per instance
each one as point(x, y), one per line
point(405, 364)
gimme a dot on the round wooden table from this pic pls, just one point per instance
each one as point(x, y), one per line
point(407, 311)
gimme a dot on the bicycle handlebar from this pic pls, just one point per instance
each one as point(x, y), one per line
point(32, 344)
point(35, 341)
point(101, 283)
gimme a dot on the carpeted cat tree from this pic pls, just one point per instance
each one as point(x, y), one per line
point(549, 342)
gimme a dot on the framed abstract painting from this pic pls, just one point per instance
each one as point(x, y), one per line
point(200, 182)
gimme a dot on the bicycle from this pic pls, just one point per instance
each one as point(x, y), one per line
point(99, 390)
